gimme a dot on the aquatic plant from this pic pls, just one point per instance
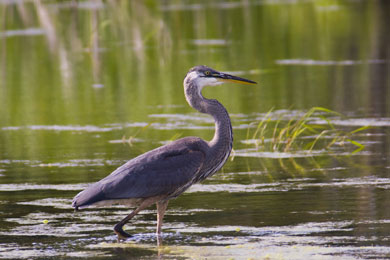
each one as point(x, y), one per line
point(131, 138)
point(304, 131)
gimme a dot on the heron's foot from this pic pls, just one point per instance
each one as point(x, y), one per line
point(122, 235)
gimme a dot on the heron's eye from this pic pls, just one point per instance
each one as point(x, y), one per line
point(207, 73)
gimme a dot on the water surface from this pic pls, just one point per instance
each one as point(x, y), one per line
point(87, 86)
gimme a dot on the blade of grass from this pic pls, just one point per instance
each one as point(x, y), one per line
point(363, 128)
point(359, 145)
point(312, 144)
point(265, 120)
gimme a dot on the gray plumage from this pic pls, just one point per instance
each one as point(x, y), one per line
point(166, 172)
point(160, 171)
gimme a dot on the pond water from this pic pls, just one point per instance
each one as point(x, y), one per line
point(86, 86)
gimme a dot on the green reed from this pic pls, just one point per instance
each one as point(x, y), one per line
point(302, 133)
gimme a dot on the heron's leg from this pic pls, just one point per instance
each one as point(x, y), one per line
point(118, 229)
point(161, 207)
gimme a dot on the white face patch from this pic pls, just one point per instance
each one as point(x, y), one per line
point(202, 81)
point(205, 81)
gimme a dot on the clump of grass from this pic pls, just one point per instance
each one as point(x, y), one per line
point(298, 133)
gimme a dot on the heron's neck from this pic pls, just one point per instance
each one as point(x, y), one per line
point(223, 137)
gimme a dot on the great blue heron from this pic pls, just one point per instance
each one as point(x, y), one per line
point(165, 172)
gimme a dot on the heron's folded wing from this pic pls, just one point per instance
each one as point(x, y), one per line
point(162, 171)
point(158, 175)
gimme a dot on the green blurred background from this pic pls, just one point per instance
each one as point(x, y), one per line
point(70, 62)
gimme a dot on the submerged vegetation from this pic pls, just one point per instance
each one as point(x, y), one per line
point(305, 131)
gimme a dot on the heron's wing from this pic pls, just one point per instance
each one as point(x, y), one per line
point(158, 175)
point(158, 172)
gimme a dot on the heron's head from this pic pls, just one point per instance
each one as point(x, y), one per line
point(205, 76)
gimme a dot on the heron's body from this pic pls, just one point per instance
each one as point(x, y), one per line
point(167, 171)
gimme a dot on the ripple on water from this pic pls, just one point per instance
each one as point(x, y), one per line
point(185, 117)
point(314, 240)
point(377, 122)
point(80, 163)
point(287, 185)
point(22, 32)
point(310, 240)
point(34, 186)
point(42, 251)
point(76, 128)
point(308, 62)
point(186, 121)
point(59, 203)
point(68, 163)
point(253, 152)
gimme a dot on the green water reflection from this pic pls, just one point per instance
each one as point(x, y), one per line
point(79, 78)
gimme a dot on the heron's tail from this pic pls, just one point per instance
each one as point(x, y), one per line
point(88, 197)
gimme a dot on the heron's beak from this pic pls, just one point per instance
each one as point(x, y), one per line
point(234, 79)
